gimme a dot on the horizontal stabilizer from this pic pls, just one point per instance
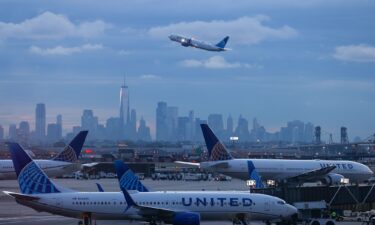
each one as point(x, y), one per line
point(187, 163)
point(21, 196)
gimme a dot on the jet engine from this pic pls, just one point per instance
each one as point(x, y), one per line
point(332, 178)
point(186, 218)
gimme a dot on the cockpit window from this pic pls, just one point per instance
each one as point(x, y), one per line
point(281, 202)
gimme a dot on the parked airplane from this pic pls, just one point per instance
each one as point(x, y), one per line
point(63, 163)
point(191, 207)
point(190, 42)
point(281, 170)
point(188, 208)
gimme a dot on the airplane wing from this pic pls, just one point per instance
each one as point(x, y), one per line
point(187, 163)
point(90, 164)
point(312, 175)
point(149, 211)
point(217, 164)
point(155, 213)
point(19, 196)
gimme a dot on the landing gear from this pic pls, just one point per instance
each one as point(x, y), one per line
point(268, 222)
point(87, 220)
point(239, 220)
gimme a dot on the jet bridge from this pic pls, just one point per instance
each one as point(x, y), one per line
point(354, 197)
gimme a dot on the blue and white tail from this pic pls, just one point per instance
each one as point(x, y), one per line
point(127, 179)
point(72, 151)
point(31, 179)
point(216, 149)
point(254, 175)
point(223, 42)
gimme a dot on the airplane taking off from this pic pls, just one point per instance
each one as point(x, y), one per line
point(280, 170)
point(179, 208)
point(190, 42)
point(63, 163)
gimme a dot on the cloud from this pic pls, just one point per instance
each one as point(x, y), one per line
point(149, 77)
point(49, 25)
point(124, 52)
point(355, 53)
point(60, 50)
point(244, 30)
point(215, 62)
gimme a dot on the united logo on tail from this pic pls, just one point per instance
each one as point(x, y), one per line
point(254, 175)
point(216, 149)
point(127, 179)
point(73, 150)
point(31, 179)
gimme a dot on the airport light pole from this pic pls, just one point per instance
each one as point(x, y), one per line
point(233, 139)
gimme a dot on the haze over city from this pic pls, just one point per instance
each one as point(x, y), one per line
point(317, 68)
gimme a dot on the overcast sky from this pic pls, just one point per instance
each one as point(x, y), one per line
point(290, 59)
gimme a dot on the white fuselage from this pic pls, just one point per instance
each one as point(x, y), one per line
point(279, 169)
point(50, 167)
point(210, 205)
point(188, 42)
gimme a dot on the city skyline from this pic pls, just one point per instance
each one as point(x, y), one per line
point(312, 61)
point(176, 128)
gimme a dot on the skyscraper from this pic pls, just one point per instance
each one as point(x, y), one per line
point(182, 128)
point(215, 121)
point(143, 131)
point(172, 117)
point(113, 128)
point(23, 132)
point(124, 107)
point(12, 133)
point(53, 132)
point(230, 125)
point(89, 122)
point(132, 126)
point(59, 126)
point(161, 122)
point(40, 121)
point(191, 127)
point(1, 133)
point(242, 130)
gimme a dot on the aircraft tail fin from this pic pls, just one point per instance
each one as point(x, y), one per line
point(223, 42)
point(100, 188)
point(72, 151)
point(31, 179)
point(254, 175)
point(216, 150)
point(127, 179)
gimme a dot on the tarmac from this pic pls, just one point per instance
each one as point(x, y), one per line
point(14, 214)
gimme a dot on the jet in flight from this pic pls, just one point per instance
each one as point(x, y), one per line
point(63, 163)
point(281, 170)
point(175, 207)
point(190, 42)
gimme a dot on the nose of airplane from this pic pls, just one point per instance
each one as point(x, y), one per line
point(291, 211)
